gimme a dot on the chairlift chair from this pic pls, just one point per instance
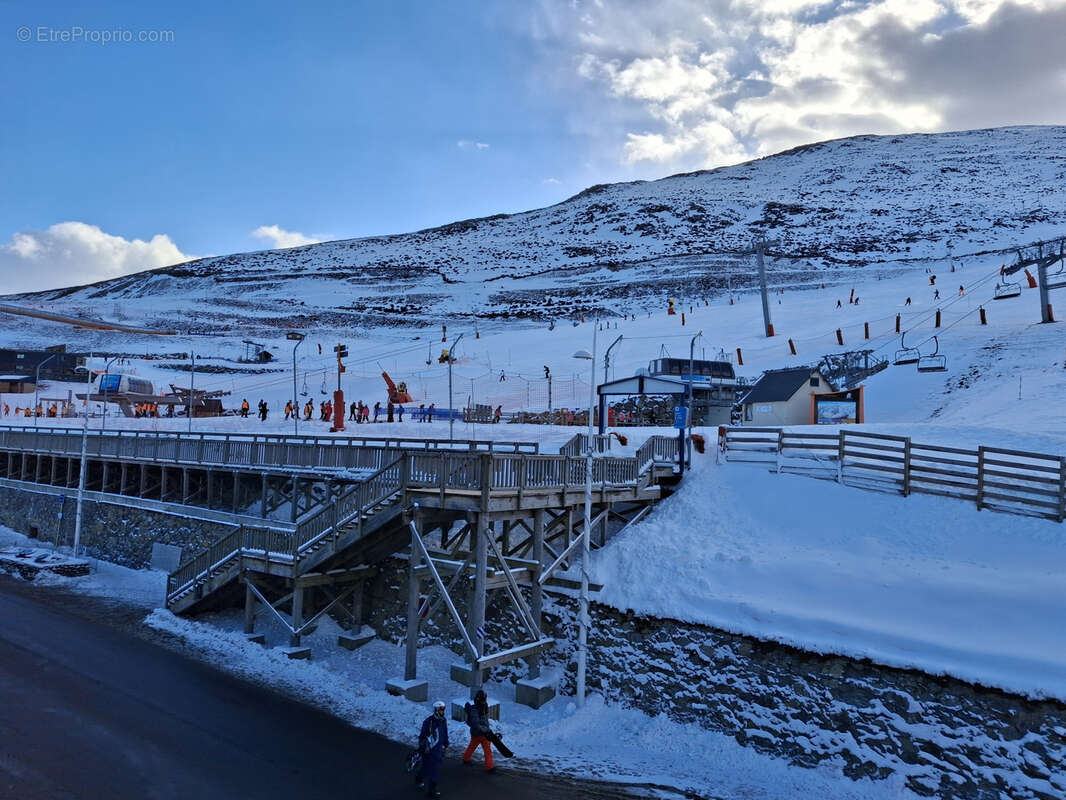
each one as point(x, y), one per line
point(1007, 290)
point(906, 355)
point(303, 392)
point(934, 362)
point(324, 390)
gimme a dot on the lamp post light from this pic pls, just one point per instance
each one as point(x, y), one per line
point(451, 405)
point(583, 609)
point(36, 384)
point(295, 336)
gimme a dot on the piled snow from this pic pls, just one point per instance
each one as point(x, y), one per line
point(911, 582)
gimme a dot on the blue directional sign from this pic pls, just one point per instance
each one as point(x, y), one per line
point(680, 417)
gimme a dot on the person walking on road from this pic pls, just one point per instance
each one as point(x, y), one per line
point(477, 717)
point(244, 408)
point(432, 742)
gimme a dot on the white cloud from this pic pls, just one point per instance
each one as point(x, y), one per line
point(468, 144)
point(550, 180)
point(283, 238)
point(702, 83)
point(73, 253)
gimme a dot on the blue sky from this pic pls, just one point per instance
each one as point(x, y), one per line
point(334, 119)
point(339, 119)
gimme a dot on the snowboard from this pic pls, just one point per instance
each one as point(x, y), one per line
point(503, 749)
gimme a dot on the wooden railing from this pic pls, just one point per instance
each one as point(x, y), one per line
point(221, 448)
point(291, 545)
point(1011, 481)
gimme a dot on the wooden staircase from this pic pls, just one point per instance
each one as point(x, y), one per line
point(330, 531)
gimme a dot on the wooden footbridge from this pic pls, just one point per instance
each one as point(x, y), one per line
point(308, 518)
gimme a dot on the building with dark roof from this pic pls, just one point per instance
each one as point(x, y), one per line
point(783, 396)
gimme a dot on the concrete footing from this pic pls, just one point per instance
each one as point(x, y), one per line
point(297, 653)
point(464, 674)
point(256, 638)
point(533, 692)
point(353, 641)
point(417, 691)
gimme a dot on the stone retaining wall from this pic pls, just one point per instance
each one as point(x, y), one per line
point(114, 533)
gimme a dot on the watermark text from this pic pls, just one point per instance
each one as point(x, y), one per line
point(77, 34)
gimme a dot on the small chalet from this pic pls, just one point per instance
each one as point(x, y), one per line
point(784, 396)
point(17, 384)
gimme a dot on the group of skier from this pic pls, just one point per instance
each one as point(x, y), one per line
point(358, 411)
point(433, 741)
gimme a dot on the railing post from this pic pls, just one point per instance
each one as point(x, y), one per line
point(486, 480)
point(840, 458)
point(780, 447)
point(1062, 488)
point(980, 477)
point(907, 467)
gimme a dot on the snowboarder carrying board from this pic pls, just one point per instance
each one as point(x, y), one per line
point(481, 734)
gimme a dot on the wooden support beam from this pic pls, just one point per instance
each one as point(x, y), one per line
point(477, 606)
point(334, 577)
point(537, 599)
point(297, 615)
point(414, 588)
point(504, 656)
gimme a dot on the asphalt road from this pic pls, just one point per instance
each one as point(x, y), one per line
point(89, 710)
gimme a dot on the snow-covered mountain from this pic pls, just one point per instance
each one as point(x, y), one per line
point(868, 201)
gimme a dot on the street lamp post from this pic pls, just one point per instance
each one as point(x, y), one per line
point(451, 405)
point(295, 336)
point(192, 383)
point(84, 449)
point(691, 379)
point(36, 384)
point(583, 609)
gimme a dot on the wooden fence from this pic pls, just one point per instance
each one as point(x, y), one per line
point(1012, 481)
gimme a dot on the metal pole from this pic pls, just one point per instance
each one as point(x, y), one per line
point(192, 381)
point(607, 359)
point(36, 384)
point(295, 416)
point(103, 380)
point(583, 609)
point(691, 378)
point(768, 327)
point(1041, 270)
point(84, 448)
point(451, 405)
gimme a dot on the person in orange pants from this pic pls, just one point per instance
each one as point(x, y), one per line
point(477, 717)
